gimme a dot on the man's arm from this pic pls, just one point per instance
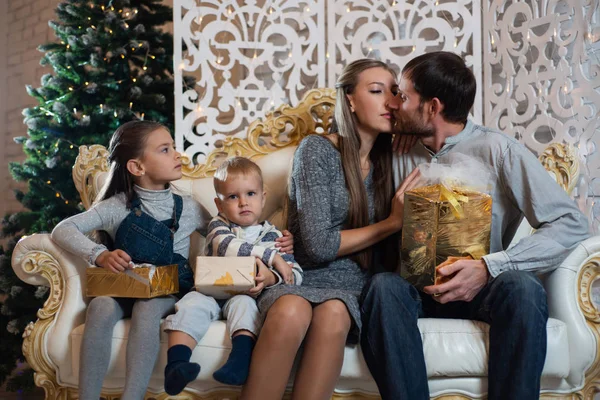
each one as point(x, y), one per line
point(559, 224)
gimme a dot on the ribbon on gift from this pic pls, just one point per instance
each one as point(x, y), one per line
point(138, 278)
point(454, 199)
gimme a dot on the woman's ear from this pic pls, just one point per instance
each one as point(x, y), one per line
point(135, 167)
point(351, 101)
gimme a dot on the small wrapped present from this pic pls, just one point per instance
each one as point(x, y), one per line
point(445, 222)
point(144, 281)
point(225, 277)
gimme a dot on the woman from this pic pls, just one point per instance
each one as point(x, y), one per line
point(342, 204)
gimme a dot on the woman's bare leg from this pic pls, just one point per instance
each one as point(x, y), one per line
point(273, 357)
point(323, 352)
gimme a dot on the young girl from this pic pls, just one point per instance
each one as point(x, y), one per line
point(147, 223)
point(341, 204)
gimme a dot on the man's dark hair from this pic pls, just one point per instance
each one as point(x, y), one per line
point(443, 75)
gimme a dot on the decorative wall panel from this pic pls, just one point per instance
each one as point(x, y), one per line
point(542, 80)
point(248, 58)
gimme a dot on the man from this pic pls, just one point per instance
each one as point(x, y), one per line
point(436, 92)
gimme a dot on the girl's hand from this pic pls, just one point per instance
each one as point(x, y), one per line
point(263, 278)
point(285, 244)
point(114, 261)
point(397, 212)
point(403, 143)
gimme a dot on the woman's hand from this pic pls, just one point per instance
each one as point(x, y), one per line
point(114, 261)
point(397, 212)
point(285, 244)
point(284, 269)
point(263, 278)
point(403, 143)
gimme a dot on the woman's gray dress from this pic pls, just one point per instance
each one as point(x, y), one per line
point(318, 210)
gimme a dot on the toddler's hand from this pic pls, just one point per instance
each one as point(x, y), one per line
point(285, 244)
point(114, 261)
point(263, 278)
point(284, 269)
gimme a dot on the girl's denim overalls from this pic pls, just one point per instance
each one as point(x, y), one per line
point(148, 240)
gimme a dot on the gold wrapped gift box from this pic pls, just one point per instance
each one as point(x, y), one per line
point(141, 282)
point(441, 223)
point(224, 277)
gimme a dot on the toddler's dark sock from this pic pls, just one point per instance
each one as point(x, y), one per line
point(179, 370)
point(235, 371)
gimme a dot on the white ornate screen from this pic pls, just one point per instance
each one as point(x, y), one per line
point(536, 63)
point(250, 57)
point(542, 80)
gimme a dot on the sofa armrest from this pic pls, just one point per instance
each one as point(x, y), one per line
point(569, 300)
point(37, 260)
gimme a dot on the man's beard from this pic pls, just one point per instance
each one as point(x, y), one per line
point(412, 127)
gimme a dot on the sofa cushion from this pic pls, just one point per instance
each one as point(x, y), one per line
point(453, 348)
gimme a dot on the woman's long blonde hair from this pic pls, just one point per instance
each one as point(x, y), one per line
point(380, 156)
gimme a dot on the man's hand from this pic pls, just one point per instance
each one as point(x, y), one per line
point(263, 278)
point(284, 269)
point(471, 276)
point(285, 244)
point(403, 143)
point(114, 261)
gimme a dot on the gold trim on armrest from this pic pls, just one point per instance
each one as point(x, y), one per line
point(91, 161)
point(587, 276)
point(286, 126)
point(561, 160)
point(42, 263)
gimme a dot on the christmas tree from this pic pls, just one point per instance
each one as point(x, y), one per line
point(112, 63)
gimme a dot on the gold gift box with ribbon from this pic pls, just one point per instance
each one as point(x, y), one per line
point(144, 281)
point(224, 277)
point(441, 223)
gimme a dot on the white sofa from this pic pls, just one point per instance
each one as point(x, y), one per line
point(455, 350)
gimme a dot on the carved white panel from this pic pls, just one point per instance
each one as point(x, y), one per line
point(542, 80)
point(397, 31)
point(250, 57)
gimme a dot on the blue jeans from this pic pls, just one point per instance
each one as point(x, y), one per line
point(514, 305)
